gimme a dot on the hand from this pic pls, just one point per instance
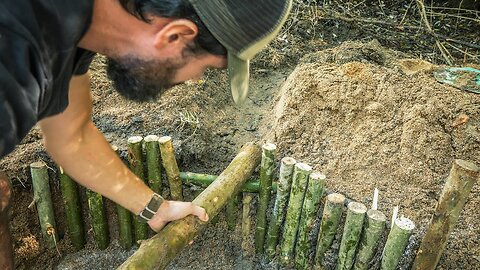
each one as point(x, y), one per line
point(173, 210)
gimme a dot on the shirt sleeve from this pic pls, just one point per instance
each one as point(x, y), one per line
point(20, 91)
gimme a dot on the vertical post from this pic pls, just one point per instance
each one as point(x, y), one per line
point(396, 242)
point(281, 201)
point(246, 221)
point(332, 213)
point(153, 163)
point(98, 219)
point(460, 181)
point(135, 159)
point(351, 235)
point(266, 174)
point(313, 196)
point(297, 194)
point(43, 199)
point(171, 167)
point(231, 211)
point(72, 210)
point(124, 222)
point(374, 227)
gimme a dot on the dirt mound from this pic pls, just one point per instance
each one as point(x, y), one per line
point(352, 114)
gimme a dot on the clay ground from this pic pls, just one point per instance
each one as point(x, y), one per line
point(346, 108)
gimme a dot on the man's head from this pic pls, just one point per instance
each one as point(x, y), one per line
point(189, 36)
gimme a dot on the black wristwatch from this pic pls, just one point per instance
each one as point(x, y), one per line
point(151, 208)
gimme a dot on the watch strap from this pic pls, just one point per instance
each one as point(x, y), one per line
point(151, 208)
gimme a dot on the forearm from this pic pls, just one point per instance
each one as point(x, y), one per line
point(90, 160)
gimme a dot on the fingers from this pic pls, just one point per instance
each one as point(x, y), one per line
point(200, 213)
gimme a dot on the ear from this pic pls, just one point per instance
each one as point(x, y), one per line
point(176, 32)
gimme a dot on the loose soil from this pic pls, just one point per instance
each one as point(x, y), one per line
point(358, 112)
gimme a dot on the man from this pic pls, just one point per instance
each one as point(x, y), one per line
point(47, 46)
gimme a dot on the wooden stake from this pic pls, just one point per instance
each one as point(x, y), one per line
point(332, 213)
point(460, 181)
point(73, 211)
point(396, 242)
point(43, 200)
point(351, 235)
point(246, 222)
point(231, 211)
point(266, 175)
point(153, 163)
point(374, 227)
point(98, 219)
point(313, 196)
point(135, 159)
point(158, 251)
point(281, 201)
point(297, 194)
point(124, 222)
point(171, 167)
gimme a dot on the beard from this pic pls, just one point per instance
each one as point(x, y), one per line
point(142, 80)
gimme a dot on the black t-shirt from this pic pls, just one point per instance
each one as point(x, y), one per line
point(38, 56)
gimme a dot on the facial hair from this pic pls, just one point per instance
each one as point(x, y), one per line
point(141, 80)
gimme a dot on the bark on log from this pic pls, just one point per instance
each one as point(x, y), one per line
point(460, 181)
point(374, 227)
point(153, 163)
point(246, 222)
point(266, 176)
point(297, 194)
point(72, 210)
point(204, 180)
point(332, 213)
point(351, 235)
point(171, 168)
point(43, 200)
point(98, 219)
point(158, 251)
point(396, 242)
point(231, 211)
point(313, 196)
point(135, 160)
point(281, 201)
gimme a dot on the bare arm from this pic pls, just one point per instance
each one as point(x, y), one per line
point(77, 145)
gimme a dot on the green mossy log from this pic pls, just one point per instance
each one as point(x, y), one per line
point(460, 181)
point(204, 180)
point(332, 213)
point(266, 175)
point(171, 168)
point(124, 222)
point(43, 201)
point(280, 207)
point(297, 194)
point(231, 211)
point(374, 228)
point(158, 251)
point(154, 170)
point(396, 242)
point(98, 219)
point(313, 196)
point(135, 160)
point(73, 211)
point(351, 235)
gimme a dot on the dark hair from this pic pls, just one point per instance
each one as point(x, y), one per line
point(181, 9)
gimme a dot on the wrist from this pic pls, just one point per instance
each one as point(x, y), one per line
point(157, 221)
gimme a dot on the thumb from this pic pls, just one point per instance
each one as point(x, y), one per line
point(200, 213)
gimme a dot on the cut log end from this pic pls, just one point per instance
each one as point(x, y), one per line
point(376, 215)
point(151, 138)
point(269, 147)
point(467, 166)
point(289, 161)
point(317, 176)
point(164, 139)
point(357, 208)
point(303, 167)
point(135, 139)
point(405, 223)
point(38, 165)
point(336, 198)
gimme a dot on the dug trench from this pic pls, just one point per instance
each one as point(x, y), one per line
point(351, 112)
